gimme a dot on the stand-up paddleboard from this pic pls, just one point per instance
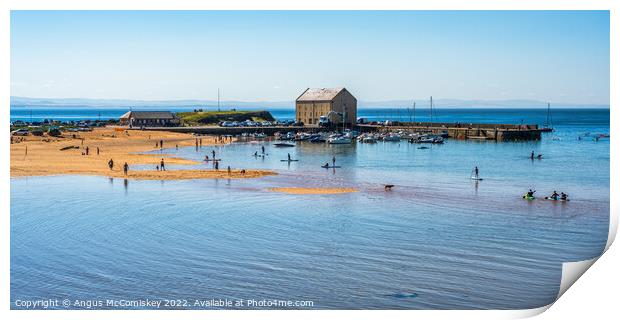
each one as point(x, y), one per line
point(477, 179)
point(328, 167)
point(207, 160)
point(283, 145)
point(292, 160)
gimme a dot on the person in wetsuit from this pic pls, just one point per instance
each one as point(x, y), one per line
point(554, 196)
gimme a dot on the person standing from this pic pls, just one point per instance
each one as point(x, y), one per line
point(217, 165)
point(111, 164)
point(229, 171)
point(334, 160)
point(125, 168)
point(161, 165)
point(97, 150)
point(213, 153)
point(161, 144)
point(476, 172)
point(86, 150)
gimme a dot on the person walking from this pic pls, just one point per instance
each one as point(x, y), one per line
point(111, 164)
point(125, 168)
point(161, 165)
point(161, 144)
point(86, 150)
point(97, 150)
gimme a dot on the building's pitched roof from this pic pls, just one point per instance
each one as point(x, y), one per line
point(148, 115)
point(319, 94)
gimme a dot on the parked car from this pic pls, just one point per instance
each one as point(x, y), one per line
point(20, 132)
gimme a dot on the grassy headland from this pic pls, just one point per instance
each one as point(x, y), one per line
point(215, 117)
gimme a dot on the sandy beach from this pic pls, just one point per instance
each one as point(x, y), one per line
point(41, 156)
point(314, 190)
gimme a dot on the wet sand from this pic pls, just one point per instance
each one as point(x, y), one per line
point(313, 190)
point(41, 156)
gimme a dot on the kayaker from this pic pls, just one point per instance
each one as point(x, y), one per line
point(554, 196)
point(256, 153)
point(539, 156)
point(530, 194)
point(206, 157)
point(564, 196)
point(326, 165)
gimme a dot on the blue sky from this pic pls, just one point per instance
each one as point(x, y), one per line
point(558, 56)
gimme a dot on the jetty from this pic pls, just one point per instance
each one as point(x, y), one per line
point(464, 131)
point(471, 131)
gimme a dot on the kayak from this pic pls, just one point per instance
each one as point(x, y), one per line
point(529, 197)
point(327, 167)
point(556, 199)
point(288, 160)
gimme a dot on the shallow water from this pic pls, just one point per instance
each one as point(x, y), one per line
point(436, 241)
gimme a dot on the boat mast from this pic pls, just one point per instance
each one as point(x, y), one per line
point(548, 114)
point(413, 111)
point(431, 108)
point(218, 99)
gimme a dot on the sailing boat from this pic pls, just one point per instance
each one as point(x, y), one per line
point(548, 126)
point(344, 138)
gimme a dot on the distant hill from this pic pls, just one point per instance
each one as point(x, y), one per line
point(210, 104)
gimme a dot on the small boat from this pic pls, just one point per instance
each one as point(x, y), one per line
point(392, 138)
point(282, 144)
point(339, 140)
point(369, 139)
point(429, 138)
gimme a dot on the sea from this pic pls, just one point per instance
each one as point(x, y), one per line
point(437, 240)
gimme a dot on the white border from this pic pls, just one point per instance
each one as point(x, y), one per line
point(8, 5)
